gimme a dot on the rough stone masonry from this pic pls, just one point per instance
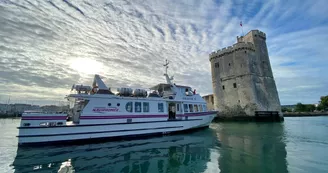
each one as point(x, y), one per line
point(242, 77)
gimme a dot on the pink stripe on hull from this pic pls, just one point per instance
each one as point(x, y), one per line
point(114, 117)
point(123, 116)
point(142, 116)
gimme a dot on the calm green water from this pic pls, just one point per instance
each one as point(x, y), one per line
point(297, 145)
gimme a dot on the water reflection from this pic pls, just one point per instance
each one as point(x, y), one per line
point(177, 153)
point(225, 147)
point(252, 147)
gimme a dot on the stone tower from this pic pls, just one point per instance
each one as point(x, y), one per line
point(242, 77)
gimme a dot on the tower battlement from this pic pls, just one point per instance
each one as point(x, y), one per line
point(251, 34)
point(230, 49)
point(256, 32)
point(262, 34)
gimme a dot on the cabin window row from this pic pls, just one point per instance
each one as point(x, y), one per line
point(138, 106)
point(141, 107)
point(194, 108)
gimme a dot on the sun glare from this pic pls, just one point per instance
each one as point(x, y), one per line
point(86, 65)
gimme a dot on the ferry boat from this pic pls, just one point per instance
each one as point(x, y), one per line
point(95, 112)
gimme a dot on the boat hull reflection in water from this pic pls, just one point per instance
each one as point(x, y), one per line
point(177, 153)
point(224, 147)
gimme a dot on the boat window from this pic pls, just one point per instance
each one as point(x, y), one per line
point(48, 124)
point(185, 106)
point(26, 124)
point(137, 107)
point(204, 108)
point(196, 108)
point(160, 107)
point(43, 124)
point(128, 107)
point(200, 108)
point(178, 107)
point(145, 107)
point(191, 108)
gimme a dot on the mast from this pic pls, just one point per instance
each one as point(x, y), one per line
point(166, 65)
point(169, 79)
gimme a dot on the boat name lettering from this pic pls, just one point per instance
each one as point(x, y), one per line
point(186, 98)
point(105, 109)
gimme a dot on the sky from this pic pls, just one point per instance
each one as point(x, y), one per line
point(48, 45)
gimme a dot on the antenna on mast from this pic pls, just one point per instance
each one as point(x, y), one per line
point(166, 65)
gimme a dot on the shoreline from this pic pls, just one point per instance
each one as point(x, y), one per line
point(247, 119)
point(304, 114)
point(10, 115)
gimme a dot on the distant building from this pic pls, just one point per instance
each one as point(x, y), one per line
point(242, 77)
point(288, 106)
point(3, 108)
point(209, 101)
point(18, 108)
point(54, 108)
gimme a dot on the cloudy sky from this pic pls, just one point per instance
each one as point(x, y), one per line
point(48, 45)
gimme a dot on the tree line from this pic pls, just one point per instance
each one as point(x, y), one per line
point(322, 106)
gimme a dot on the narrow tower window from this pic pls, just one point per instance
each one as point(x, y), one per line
point(223, 87)
point(229, 64)
point(234, 85)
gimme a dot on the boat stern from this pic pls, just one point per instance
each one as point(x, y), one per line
point(36, 119)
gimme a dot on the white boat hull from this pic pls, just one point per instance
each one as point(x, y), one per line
point(30, 135)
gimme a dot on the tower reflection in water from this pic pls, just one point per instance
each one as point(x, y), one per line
point(176, 153)
point(252, 147)
point(225, 147)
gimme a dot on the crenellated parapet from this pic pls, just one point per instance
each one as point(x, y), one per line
point(228, 50)
point(262, 34)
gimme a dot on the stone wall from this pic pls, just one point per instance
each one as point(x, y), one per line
point(242, 77)
point(209, 101)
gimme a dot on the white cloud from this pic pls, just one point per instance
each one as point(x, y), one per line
point(131, 39)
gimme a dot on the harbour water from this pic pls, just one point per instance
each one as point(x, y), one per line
point(299, 144)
